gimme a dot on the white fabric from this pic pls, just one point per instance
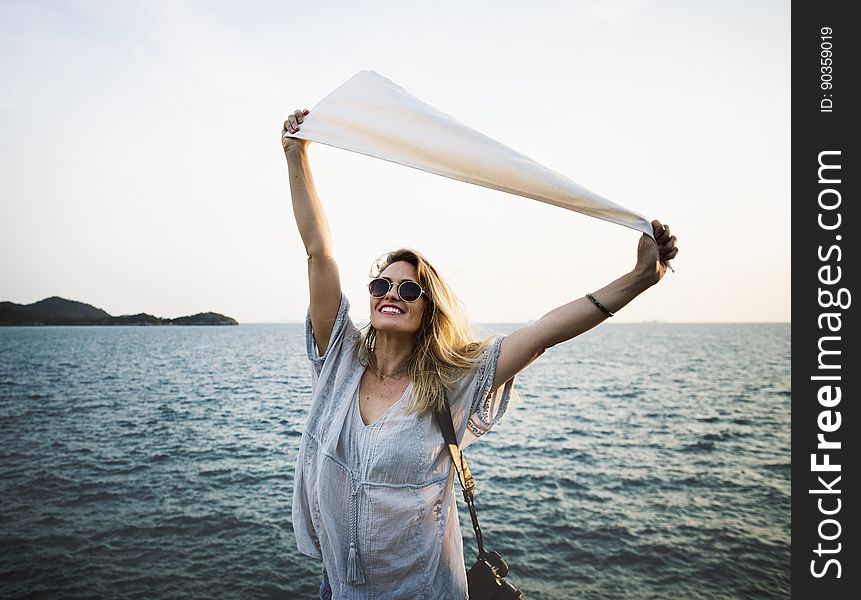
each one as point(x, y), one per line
point(371, 115)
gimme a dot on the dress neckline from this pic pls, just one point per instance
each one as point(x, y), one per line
point(386, 412)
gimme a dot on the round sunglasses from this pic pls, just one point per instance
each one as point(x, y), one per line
point(409, 291)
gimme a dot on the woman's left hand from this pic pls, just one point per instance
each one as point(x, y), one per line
point(653, 256)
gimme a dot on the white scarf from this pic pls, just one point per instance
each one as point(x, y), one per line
point(371, 115)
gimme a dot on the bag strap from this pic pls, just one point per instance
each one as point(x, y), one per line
point(443, 417)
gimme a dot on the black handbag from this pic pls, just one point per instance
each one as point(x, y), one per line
point(486, 578)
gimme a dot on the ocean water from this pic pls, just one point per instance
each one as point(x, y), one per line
point(643, 461)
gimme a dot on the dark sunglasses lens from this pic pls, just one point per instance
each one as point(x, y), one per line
point(378, 287)
point(410, 291)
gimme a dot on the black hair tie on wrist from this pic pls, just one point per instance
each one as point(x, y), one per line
point(600, 306)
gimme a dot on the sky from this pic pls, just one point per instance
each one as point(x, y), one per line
point(141, 167)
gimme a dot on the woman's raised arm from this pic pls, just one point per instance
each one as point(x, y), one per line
point(570, 320)
point(324, 281)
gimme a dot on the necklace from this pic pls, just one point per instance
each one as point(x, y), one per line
point(384, 376)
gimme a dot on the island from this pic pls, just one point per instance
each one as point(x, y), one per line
point(59, 311)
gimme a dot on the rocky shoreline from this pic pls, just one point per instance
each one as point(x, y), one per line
point(59, 311)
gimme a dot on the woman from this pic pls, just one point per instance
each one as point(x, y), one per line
point(373, 489)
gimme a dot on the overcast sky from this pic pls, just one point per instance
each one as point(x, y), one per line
point(141, 168)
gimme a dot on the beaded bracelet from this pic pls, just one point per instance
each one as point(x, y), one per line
point(600, 306)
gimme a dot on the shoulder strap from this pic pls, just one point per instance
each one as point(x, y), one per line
point(443, 417)
point(447, 426)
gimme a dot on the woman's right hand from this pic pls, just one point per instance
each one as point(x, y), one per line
point(291, 125)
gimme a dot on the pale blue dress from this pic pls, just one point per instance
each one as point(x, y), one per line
point(376, 503)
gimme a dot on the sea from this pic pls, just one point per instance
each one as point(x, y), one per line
point(642, 461)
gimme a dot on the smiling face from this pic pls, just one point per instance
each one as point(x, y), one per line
point(390, 313)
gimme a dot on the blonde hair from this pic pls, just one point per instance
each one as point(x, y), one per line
point(445, 349)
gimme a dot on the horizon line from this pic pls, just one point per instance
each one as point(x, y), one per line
point(650, 322)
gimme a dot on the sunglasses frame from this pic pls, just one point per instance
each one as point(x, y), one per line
point(392, 284)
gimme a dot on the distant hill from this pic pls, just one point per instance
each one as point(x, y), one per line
point(59, 311)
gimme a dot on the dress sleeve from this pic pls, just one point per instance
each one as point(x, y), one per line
point(486, 408)
point(342, 330)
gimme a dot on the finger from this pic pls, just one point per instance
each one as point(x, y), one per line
point(299, 115)
point(668, 245)
point(664, 235)
point(666, 256)
point(658, 232)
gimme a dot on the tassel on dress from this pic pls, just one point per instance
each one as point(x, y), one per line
point(354, 569)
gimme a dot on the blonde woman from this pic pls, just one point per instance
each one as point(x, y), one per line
point(373, 485)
